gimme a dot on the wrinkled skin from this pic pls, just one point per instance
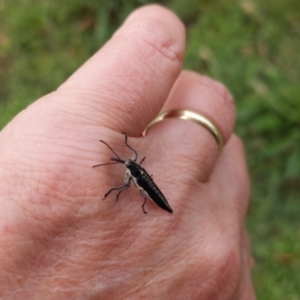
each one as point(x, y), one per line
point(59, 240)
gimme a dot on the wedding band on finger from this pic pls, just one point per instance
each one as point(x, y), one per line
point(192, 116)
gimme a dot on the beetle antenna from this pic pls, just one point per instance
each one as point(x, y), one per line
point(105, 164)
point(110, 149)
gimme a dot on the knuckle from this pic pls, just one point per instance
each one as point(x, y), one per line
point(221, 101)
point(238, 145)
point(158, 47)
point(218, 89)
point(155, 39)
point(239, 174)
point(212, 99)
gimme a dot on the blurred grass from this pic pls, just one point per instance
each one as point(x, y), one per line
point(251, 46)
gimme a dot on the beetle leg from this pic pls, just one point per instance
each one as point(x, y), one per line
point(145, 199)
point(142, 160)
point(121, 189)
point(135, 155)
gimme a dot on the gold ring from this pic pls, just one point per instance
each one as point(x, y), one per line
point(189, 115)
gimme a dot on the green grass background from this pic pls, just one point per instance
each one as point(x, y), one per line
point(252, 46)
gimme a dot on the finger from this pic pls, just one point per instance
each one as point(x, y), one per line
point(209, 98)
point(246, 290)
point(206, 96)
point(124, 85)
point(230, 176)
point(224, 208)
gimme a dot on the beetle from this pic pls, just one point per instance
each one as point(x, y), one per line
point(141, 179)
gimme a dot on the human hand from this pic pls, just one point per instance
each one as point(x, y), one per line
point(59, 240)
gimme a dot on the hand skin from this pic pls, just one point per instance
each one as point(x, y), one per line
point(59, 240)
